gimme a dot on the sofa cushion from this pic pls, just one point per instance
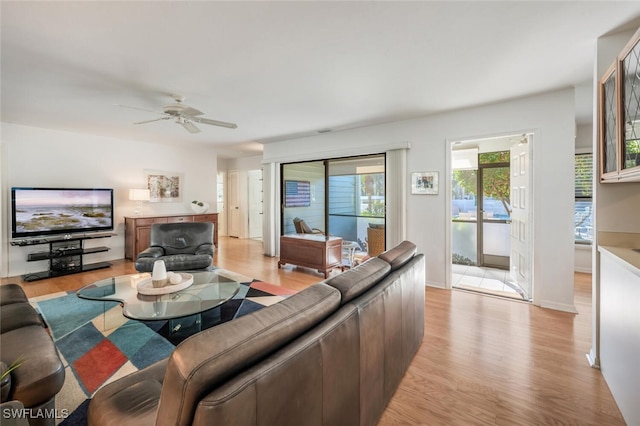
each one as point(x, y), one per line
point(209, 358)
point(176, 262)
point(356, 281)
point(18, 315)
point(314, 380)
point(11, 293)
point(399, 255)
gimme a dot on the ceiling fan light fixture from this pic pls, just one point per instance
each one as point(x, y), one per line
point(188, 125)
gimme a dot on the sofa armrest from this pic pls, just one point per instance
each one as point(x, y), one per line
point(153, 251)
point(132, 399)
point(5, 383)
point(205, 249)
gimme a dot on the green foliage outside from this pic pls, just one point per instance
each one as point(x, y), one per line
point(631, 153)
point(493, 157)
point(373, 185)
point(458, 259)
point(496, 182)
point(584, 175)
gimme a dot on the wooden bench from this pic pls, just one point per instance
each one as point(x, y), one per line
point(311, 251)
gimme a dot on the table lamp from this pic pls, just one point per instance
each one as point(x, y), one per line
point(139, 195)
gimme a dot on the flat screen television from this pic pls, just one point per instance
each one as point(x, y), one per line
point(49, 211)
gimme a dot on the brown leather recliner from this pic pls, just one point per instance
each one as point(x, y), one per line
point(182, 247)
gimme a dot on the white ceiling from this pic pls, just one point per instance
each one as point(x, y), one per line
point(285, 69)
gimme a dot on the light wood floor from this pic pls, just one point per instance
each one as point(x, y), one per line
point(483, 361)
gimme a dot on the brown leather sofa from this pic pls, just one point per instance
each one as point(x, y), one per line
point(332, 354)
point(40, 375)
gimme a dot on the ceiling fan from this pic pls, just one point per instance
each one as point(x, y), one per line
point(183, 115)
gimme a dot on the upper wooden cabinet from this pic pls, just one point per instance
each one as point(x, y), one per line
point(619, 116)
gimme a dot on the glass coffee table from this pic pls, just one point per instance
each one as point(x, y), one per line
point(209, 290)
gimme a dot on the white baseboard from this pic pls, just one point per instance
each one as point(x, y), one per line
point(436, 285)
point(565, 307)
point(593, 362)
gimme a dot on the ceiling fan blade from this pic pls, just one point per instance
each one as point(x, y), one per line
point(191, 128)
point(140, 109)
point(151, 121)
point(215, 122)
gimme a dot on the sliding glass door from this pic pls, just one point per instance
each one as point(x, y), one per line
point(340, 197)
point(357, 199)
point(303, 195)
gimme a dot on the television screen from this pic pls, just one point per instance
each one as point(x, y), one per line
point(47, 211)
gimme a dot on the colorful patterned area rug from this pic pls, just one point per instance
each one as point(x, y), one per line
point(98, 344)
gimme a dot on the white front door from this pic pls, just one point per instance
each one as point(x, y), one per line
point(520, 256)
point(233, 211)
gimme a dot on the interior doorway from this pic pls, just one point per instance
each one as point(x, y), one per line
point(490, 251)
point(233, 204)
point(254, 183)
point(221, 205)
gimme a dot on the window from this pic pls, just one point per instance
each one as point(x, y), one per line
point(583, 213)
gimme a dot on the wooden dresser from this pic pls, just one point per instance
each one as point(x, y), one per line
point(311, 251)
point(137, 229)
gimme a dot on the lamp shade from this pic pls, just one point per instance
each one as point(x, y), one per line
point(139, 194)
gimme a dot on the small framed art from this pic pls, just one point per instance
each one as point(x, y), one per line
point(424, 183)
point(164, 187)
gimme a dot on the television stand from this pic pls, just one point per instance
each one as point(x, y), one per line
point(66, 255)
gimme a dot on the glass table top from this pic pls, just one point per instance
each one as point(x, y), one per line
point(209, 289)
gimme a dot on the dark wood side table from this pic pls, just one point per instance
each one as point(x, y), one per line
point(311, 251)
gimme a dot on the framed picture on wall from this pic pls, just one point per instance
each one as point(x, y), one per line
point(297, 193)
point(424, 183)
point(164, 187)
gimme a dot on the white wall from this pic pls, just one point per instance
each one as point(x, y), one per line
point(584, 138)
point(583, 252)
point(550, 116)
point(39, 157)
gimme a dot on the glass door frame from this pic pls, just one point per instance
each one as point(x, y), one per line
point(324, 204)
point(493, 261)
